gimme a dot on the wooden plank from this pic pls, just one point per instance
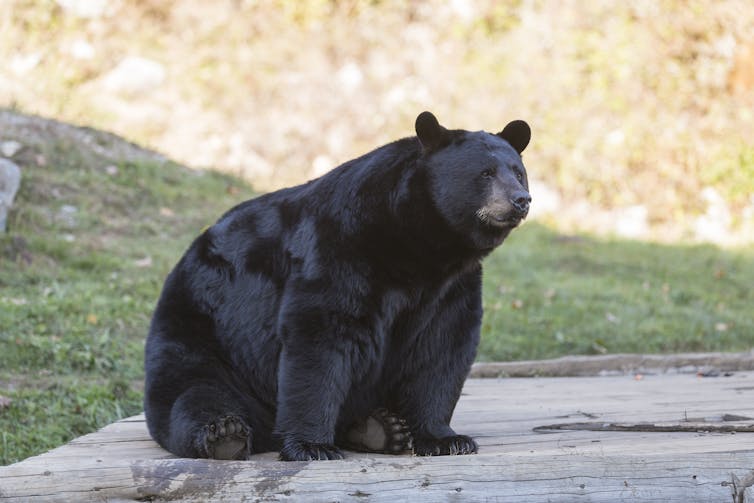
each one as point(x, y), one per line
point(515, 463)
point(570, 366)
point(661, 478)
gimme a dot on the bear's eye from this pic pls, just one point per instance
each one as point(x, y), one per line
point(520, 176)
point(488, 173)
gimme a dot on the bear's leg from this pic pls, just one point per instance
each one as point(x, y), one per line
point(382, 431)
point(208, 418)
point(310, 393)
point(205, 422)
point(432, 366)
point(312, 386)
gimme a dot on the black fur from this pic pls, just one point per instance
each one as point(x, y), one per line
point(302, 311)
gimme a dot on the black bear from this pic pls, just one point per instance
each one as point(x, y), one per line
point(341, 313)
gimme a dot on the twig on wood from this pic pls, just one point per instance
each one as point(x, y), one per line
point(738, 486)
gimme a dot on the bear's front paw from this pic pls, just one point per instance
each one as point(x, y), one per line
point(295, 450)
point(456, 444)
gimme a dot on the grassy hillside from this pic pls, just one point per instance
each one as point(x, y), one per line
point(98, 223)
point(635, 106)
point(90, 241)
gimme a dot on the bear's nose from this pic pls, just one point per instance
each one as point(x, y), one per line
point(520, 201)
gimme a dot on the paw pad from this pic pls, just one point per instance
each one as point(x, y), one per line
point(382, 432)
point(226, 438)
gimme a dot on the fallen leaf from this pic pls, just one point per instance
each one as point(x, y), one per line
point(599, 347)
point(517, 304)
point(91, 319)
point(708, 373)
point(16, 301)
point(143, 262)
point(166, 212)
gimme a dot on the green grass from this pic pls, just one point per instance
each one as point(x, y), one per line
point(549, 295)
point(76, 294)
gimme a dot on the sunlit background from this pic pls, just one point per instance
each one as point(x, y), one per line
point(642, 112)
point(641, 238)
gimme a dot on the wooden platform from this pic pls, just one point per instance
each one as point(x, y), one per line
point(515, 463)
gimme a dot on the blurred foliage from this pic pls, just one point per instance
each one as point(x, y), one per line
point(631, 103)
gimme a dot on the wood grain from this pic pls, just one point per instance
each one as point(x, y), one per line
point(515, 463)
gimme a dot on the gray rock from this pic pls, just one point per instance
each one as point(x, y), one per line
point(631, 222)
point(10, 180)
point(134, 75)
point(9, 148)
point(89, 9)
point(714, 225)
point(546, 199)
point(67, 216)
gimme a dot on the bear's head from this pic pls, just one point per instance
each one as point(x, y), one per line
point(477, 180)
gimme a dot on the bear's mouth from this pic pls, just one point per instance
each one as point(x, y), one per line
point(499, 219)
point(507, 221)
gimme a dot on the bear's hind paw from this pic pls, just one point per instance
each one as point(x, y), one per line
point(227, 437)
point(382, 432)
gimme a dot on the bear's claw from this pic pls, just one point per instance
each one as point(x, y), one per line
point(448, 446)
point(294, 450)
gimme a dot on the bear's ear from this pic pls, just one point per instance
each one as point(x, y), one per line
point(430, 133)
point(517, 133)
